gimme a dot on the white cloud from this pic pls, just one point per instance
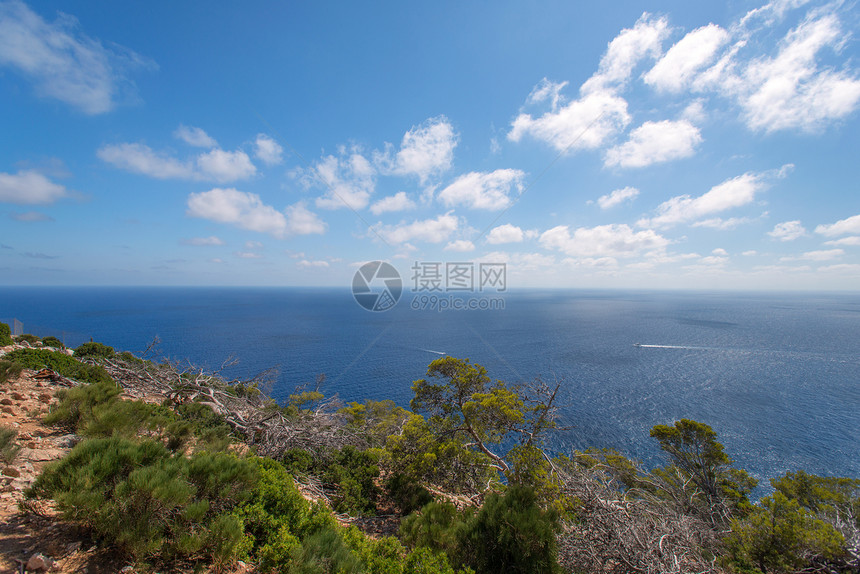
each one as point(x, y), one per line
point(436, 230)
point(787, 231)
point(655, 142)
point(479, 190)
point(731, 193)
point(677, 68)
point(139, 158)
point(719, 251)
point(750, 253)
point(427, 149)
point(850, 241)
point(64, 63)
point(312, 264)
point(602, 241)
point(600, 112)
point(194, 136)
point(821, 255)
point(268, 150)
point(247, 211)
point(627, 50)
point(253, 244)
point(225, 166)
point(349, 181)
point(506, 233)
point(211, 240)
point(789, 91)
point(841, 227)
point(215, 165)
point(29, 187)
point(722, 224)
point(397, 202)
point(460, 245)
point(247, 255)
point(617, 197)
point(31, 217)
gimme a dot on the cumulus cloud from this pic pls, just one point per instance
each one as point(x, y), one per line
point(199, 241)
point(480, 190)
point(247, 211)
point(426, 150)
point(617, 197)
point(506, 233)
point(602, 241)
point(194, 136)
point(216, 165)
point(850, 241)
point(655, 142)
point(460, 245)
point(225, 166)
point(787, 231)
point(312, 264)
point(349, 181)
point(731, 193)
point(268, 150)
point(436, 230)
point(841, 227)
point(397, 202)
point(29, 187)
point(678, 67)
point(820, 255)
point(723, 224)
point(63, 62)
point(600, 112)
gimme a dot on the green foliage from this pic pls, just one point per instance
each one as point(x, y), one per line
point(53, 342)
point(9, 370)
point(375, 420)
point(408, 494)
point(781, 536)
point(277, 517)
point(696, 455)
point(838, 498)
point(59, 362)
point(439, 527)
point(349, 474)
point(94, 350)
point(75, 408)
point(325, 553)
point(27, 338)
point(5, 335)
point(148, 502)
point(8, 448)
point(511, 534)
point(425, 455)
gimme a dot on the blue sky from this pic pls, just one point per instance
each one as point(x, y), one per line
point(646, 144)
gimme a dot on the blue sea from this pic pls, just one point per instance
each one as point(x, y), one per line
point(776, 375)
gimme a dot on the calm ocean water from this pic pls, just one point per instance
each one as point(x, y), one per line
point(777, 376)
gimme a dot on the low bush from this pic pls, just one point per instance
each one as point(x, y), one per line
point(53, 342)
point(407, 494)
point(5, 335)
point(74, 411)
point(149, 503)
point(60, 362)
point(8, 448)
point(27, 338)
point(94, 350)
point(9, 370)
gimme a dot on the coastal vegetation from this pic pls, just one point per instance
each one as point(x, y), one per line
point(215, 471)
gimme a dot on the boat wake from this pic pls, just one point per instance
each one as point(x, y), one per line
point(640, 345)
point(434, 352)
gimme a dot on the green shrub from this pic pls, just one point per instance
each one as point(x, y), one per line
point(407, 493)
point(511, 533)
point(8, 370)
point(5, 335)
point(94, 350)
point(27, 338)
point(8, 448)
point(74, 411)
point(438, 526)
point(325, 553)
point(353, 474)
point(147, 502)
point(60, 362)
point(53, 342)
